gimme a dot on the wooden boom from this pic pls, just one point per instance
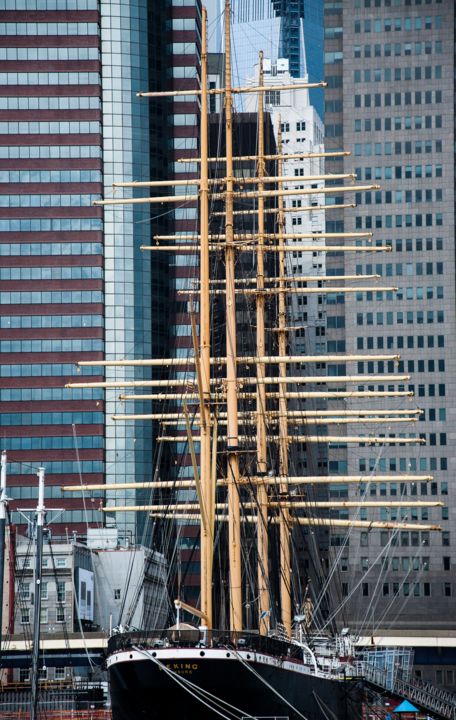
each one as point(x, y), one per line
point(270, 480)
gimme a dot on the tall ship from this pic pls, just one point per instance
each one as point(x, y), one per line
point(247, 646)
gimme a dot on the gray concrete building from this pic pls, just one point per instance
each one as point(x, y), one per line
point(389, 65)
point(130, 584)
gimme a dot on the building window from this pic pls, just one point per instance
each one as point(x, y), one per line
point(59, 673)
point(60, 591)
point(117, 594)
point(24, 675)
point(272, 97)
point(60, 614)
point(25, 615)
point(212, 99)
point(24, 591)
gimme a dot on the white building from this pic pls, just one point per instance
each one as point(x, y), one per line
point(67, 597)
point(302, 132)
point(130, 584)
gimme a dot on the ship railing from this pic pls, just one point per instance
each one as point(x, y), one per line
point(189, 637)
point(375, 675)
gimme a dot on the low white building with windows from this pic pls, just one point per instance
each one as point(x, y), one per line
point(61, 563)
point(67, 594)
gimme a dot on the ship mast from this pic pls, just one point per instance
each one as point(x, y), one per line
point(262, 495)
point(207, 525)
point(285, 560)
point(234, 523)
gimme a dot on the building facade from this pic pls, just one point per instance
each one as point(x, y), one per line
point(127, 149)
point(51, 241)
point(389, 68)
point(64, 610)
point(86, 589)
point(142, 602)
point(302, 133)
point(75, 284)
point(282, 29)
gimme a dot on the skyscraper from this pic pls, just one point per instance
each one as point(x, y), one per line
point(390, 101)
point(51, 241)
point(75, 284)
point(128, 144)
point(291, 29)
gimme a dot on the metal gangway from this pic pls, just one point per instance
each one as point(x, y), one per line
point(390, 670)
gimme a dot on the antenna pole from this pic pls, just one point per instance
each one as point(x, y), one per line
point(234, 523)
point(3, 509)
point(262, 495)
point(285, 559)
point(205, 360)
point(40, 517)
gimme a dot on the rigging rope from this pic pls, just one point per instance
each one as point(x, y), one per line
point(78, 462)
point(357, 585)
point(265, 682)
point(194, 689)
point(324, 708)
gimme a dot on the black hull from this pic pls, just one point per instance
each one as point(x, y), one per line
point(141, 689)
